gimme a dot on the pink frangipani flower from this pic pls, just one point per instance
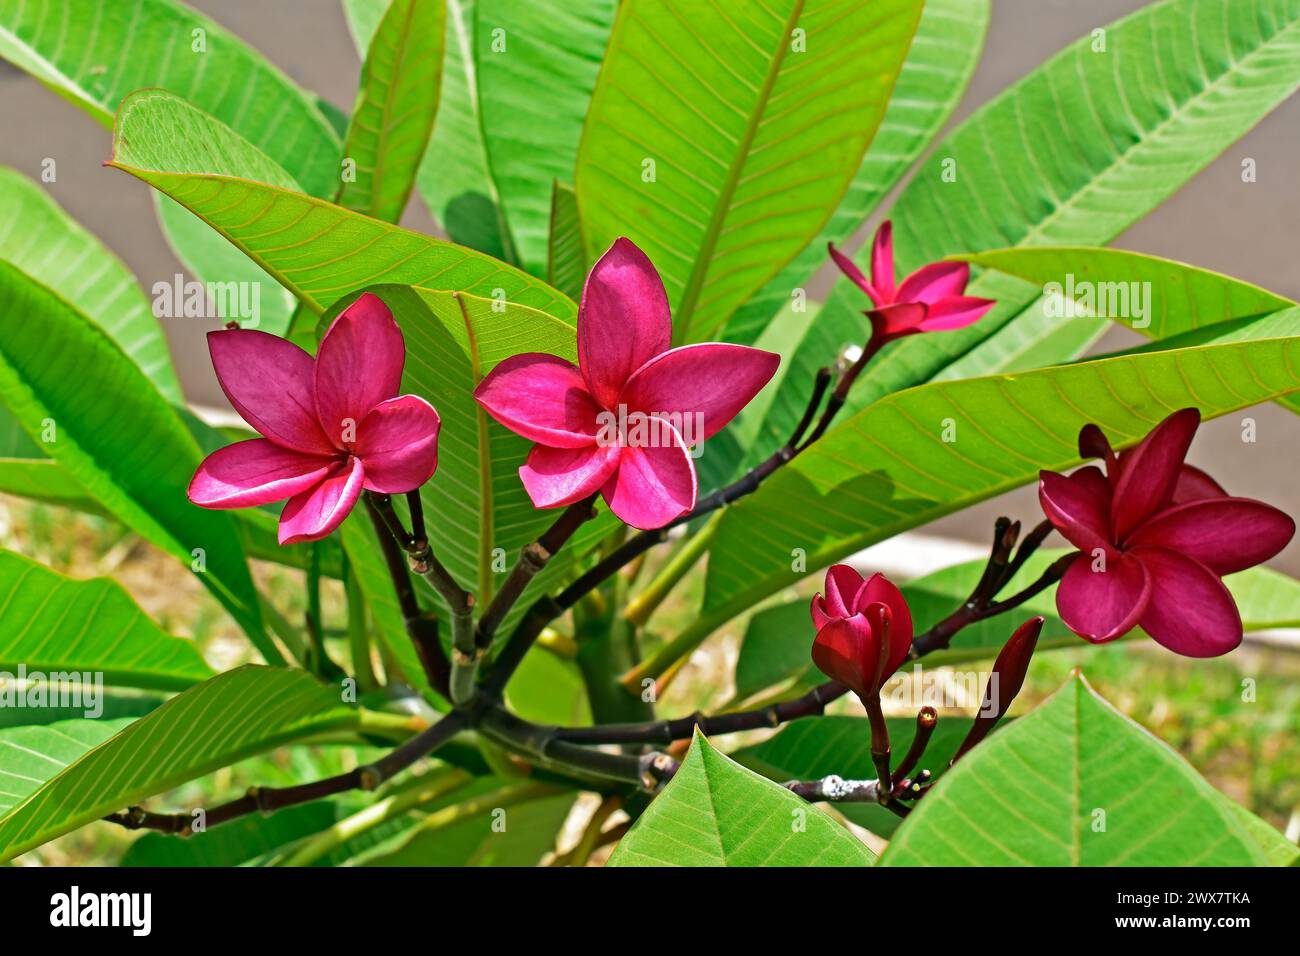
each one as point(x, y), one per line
point(331, 426)
point(621, 421)
point(852, 619)
point(931, 299)
point(1155, 536)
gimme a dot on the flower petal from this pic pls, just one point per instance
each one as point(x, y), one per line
point(932, 283)
point(956, 312)
point(314, 513)
point(397, 443)
point(1078, 506)
point(623, 320)
point(844, 650)
point(891, 321)
point(542, 397)
point(855, 275)
point(358, 366)
point(255, 472)
point(842, 583)
point(882, 263)
point(700, 387)
point(653, 486)
point(1194, 484)
point(1224, 534)
point(878, 589)
point(269, 382)
point(1190, 611)
point(1149, 472)
point(561, 476)
point(1100, 606)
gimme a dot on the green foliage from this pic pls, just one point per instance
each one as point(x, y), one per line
point(720, 140)
point(714, 812)
point(1101, 791)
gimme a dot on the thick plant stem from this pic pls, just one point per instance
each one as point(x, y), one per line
point(606, 648)
point(268, 799)
point(422, 628)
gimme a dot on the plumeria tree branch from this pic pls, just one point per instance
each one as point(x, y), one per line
point(269, 799)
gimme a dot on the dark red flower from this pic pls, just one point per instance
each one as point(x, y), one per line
point(864, 629)
point(1155, 536)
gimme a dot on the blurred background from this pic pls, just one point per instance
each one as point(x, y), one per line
point(1248, 230)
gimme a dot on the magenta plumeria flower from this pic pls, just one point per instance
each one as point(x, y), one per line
point(1155, 536)
point(622, 420)
point(931, 299)
point(852, 619)
point(331, 426)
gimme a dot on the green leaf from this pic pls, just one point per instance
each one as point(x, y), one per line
point(1176, 297)
point(49, 622)
point(453, 177)
point(565, 263)
point(1074, 783)
point(939, 65)
point(815, 747)
point(1087, 144)
point(395, 108)
point(533, 95)
point(54, 249)
point(232, 716)
point(745, 116)
point(94, 53)
point(1279, 850)
point(470, 834)
point(132, 454)
point(29, 756)
point(317, 250)
point(715, 812)
point(775, 650)
point(888, 468)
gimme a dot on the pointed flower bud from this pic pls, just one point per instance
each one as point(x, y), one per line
point(1004, 683)
point(864, 629)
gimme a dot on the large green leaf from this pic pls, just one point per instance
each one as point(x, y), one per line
point(1177, 297)
point(55, 250)
point(131, 454)
point(94, 53)
point(942, 59)
point(217, 723)
point(29, 756)
point(715, 812)
point(536, 67)
point(316, 249)
point(1073, 153)
point(816, 747)
point(1074, 783)
point(755, 119)
point(50, 622)
point(453, 178)
point(395, 108)
point(889, 468)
